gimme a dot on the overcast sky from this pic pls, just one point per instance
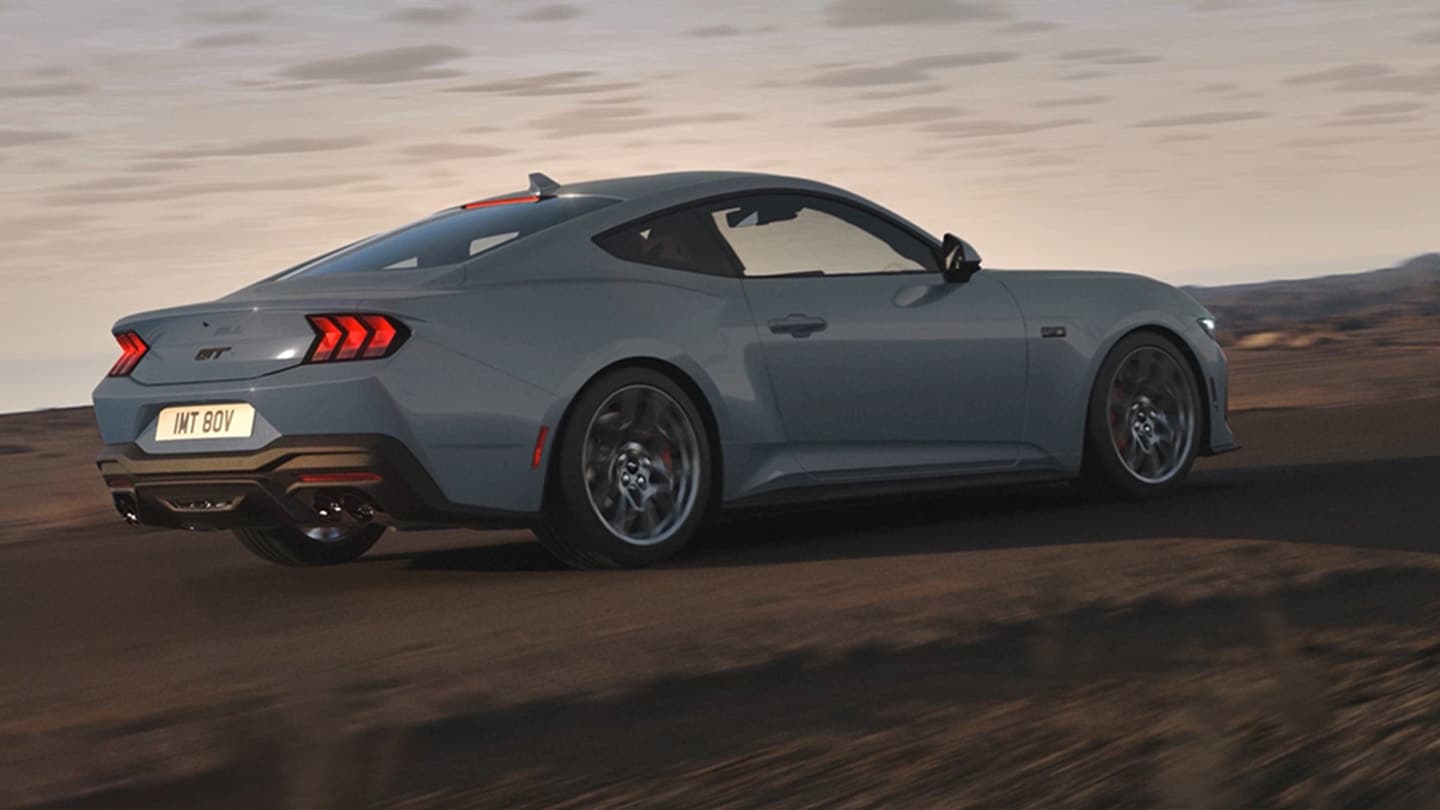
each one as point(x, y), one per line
point(158, 152)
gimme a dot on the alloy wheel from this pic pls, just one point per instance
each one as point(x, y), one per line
point(642, 465)
point(1152, 415)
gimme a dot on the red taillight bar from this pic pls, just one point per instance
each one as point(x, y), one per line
point(354, 337)
point(357, 477)
point(356, 334)
point(503, 201)
point(132, 348)
point(330, 336)
point(382, 334)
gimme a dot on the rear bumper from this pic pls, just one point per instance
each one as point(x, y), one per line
point(279, 485)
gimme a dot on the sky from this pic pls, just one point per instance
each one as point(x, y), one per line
point(161, 152)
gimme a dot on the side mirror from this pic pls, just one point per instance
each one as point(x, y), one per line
point(959, 261)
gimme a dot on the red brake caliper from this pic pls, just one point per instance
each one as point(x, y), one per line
point(1122, 438)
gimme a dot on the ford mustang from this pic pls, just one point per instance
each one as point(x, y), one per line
point(612, 363)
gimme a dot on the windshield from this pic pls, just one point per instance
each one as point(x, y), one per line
point(448, 238)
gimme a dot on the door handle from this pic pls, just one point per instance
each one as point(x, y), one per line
point(797, 325)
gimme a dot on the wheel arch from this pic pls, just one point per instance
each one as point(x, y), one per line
point(1192, 361)
point(675, 374)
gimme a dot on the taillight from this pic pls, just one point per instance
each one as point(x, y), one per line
point(529, 198)
point(132, 348)
point(354, 337)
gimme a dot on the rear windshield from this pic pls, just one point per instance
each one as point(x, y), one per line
point(448, 238)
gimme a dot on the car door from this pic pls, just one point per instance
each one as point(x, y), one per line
point(878, 364)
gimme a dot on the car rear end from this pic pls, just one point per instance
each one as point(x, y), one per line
point(280, 413)
point(350, 389)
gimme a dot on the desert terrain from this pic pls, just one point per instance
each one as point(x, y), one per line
point(1270, 637)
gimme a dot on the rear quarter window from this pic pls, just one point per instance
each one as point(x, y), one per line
point(682, 240)
point(449, 238)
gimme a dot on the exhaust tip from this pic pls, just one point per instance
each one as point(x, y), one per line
point(358, 509)
point(128, 509)
point(328, 508)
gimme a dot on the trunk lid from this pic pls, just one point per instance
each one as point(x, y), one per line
point(216, 343)
point(257, 331)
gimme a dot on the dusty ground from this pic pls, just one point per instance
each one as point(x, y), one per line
point(1391, 361)
point(1265, 639)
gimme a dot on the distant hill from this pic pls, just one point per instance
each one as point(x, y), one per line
point(1343, 303)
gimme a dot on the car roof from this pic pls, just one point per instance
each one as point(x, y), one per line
point(653, 192)
point(632, 188)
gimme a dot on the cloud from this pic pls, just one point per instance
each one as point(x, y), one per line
point(1109, 56)
point(46, 90)
point(1071, 101)
point(1344, 73)
point(1204, 119)
point(953, 60)
point(714, 31)
point(1374, 121)
point(1384, 108)
point(274, 146)
point(866, 13)
point(1217, 5)
point(1029, 27)
point(112, 183)
point(909, 71)
point(431, 15)
point(26, 137)
point(1424, 84)
point(613, 120)
point(406, 64)
point(561, 83)
point(247, 16)
point(1428, 37)
point(1312, 142)
point(204, 189)
point(225, 40)
point(1218, 87)
point(451, 151)
point(903, 92)
point(159, 166)
point(1183, 137)
point(990, 129)
point(552, 12)
point(1083, 75)
point(904, 115)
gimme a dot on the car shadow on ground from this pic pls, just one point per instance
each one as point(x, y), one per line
point(1371, 504)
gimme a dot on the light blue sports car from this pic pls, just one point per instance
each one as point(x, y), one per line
point(611, 363)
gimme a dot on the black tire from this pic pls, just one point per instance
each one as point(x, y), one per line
point(571, 526)
point(290, 546)
point(1104, 471)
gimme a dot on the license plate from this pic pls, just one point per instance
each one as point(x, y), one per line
point(205, 422)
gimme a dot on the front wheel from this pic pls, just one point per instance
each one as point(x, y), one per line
point(326, 545)
point(1142, 432)
point(631, 474)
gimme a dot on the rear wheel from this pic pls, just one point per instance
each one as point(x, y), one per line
point(1143, 427)
point(632, 474)
point(325, 545)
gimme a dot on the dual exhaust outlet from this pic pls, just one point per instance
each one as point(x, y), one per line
point(330, 507)
point(333, 508)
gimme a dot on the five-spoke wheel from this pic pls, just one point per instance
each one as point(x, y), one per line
point(630, 473)
point(642, 464)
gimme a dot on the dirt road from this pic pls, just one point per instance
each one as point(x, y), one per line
point(1266, 638)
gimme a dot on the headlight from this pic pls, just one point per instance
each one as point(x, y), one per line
point(1208, 324)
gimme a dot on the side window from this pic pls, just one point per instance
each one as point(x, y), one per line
point(682, 240)
point(790, 234)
